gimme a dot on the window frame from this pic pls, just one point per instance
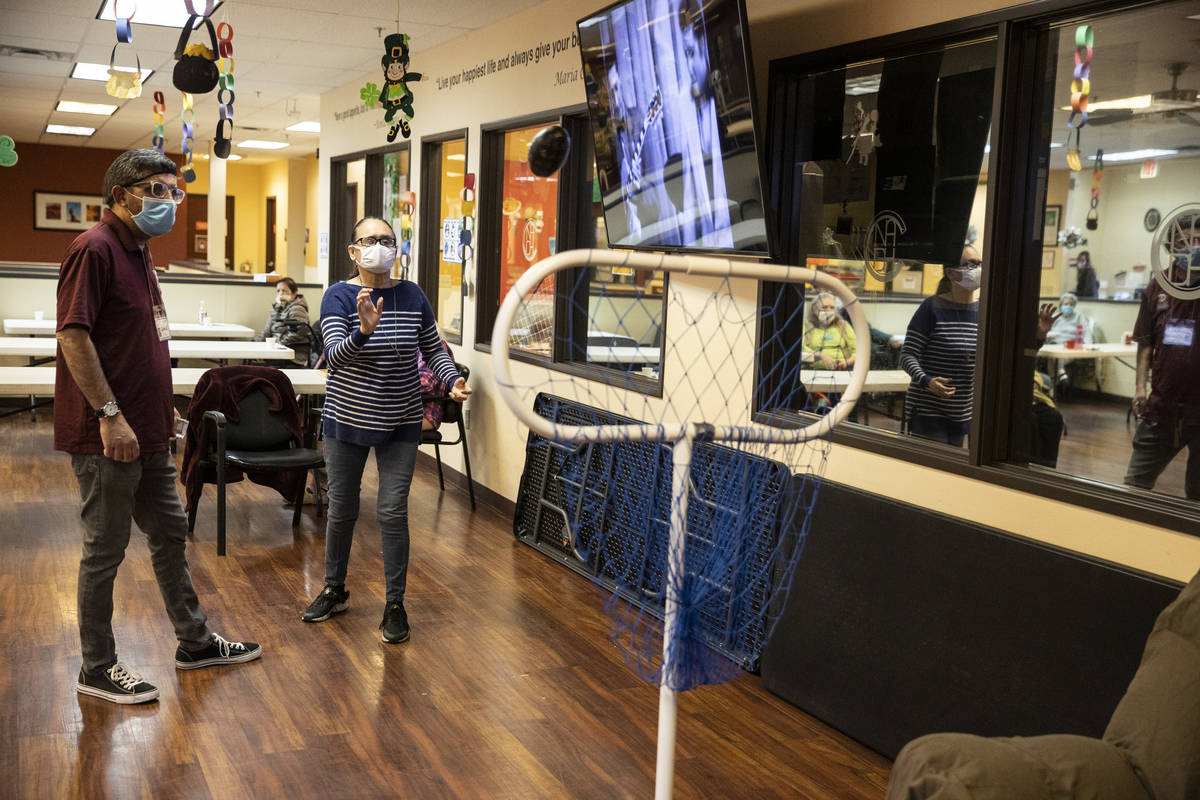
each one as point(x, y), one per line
point(372, 200)
point(573, 219)
point(1017, 168)
point(429, 229)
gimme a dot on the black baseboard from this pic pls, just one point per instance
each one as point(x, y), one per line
point(458, 482)
point(902, 621)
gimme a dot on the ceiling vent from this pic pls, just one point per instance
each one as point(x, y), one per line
point(31, 52)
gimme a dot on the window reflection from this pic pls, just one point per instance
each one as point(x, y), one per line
point(1135, 162)
point(449, 302)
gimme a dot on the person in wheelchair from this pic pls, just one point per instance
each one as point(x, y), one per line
point(288, 322)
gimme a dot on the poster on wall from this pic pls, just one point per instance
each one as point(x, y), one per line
point(66, 212)
point(451, 228)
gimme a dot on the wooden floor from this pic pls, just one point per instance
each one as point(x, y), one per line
point(509, 687)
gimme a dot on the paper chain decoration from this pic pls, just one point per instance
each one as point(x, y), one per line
point(224, 138)
point(191, 9)
point(124, 29)
point(1081, 88)
point(408, 207)
point(187, 116)
point(1093, 215)
point(395, 95)
point(122, 83)
point(467, 195)
point(160, 121)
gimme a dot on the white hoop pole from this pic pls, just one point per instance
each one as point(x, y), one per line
point(668, 701)
point(692, 265)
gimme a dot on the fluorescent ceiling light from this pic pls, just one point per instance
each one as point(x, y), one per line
point(99, 72)
point(168, 15)
point(101, 109)
point(230, 157)
point(259, 144)
point(70, 130)
point(1137, 155)
point(868, 84)
point(1139, 101)
point(305, 127)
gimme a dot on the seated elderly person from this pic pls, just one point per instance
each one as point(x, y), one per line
point(288, 320)
point(1068, 321)
point(828, 337)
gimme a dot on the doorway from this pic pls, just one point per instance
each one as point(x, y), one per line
point(270, 238)
point(197, 230)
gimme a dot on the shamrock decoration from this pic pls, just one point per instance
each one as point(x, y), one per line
point(8, 153)
point(368, 94)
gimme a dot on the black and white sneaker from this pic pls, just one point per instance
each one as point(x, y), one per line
point(395, 623)
point(329, 602)
point(117, 684)
point(218, 652)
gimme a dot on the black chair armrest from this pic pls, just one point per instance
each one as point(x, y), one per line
point(218, 426)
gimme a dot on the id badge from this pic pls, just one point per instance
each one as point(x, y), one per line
point(160, 323)
point(1179, 332)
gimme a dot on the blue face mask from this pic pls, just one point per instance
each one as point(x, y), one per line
point(157, 217)
point(1068, 311)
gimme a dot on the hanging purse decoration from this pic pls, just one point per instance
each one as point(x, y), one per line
point(160, 122)
point(196, 65)
point(395, 95)
point(122, 83)
point(1081, 88)
point(1093, 215)
point(187, 116)
point(408, 207)
point(224, 138)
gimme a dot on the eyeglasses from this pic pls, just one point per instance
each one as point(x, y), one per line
point(161, 191)
point(386, 241)
point(970, 263)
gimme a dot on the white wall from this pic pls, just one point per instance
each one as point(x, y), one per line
point(777, 29)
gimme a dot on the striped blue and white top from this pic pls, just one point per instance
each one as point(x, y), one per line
point(373, 392)
point(941, 343)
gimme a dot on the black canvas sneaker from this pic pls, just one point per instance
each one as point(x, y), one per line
point(395, 623)
point(218, 652)
point(329, 602)
point(117, 684)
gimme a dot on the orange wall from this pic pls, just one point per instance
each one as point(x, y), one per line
point(51, 168)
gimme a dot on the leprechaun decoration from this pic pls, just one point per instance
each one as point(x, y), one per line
point(395, 95)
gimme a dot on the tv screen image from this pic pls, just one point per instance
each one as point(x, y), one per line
point(671, 105)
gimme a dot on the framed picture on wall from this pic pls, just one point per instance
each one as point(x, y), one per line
point(1048, 257)
point(66, 212)
point(1051, 225)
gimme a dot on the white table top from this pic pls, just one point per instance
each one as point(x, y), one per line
point(623, 355)
point(878, 380)
point(183, 330)
point(180, 348)
point(1100, 350)
point(22, 381)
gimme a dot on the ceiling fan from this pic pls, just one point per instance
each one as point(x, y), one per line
point(1182, 105)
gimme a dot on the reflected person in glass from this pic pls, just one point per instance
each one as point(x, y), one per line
point(828, 338)
point(939, 354)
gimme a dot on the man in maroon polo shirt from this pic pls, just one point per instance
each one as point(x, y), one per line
point(114, 413)
point(1168, 335)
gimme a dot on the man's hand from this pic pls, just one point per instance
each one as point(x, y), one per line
point(120, 442)
point(459, 391)
point(940, 387)
point(1139, 402)
point(369, 313)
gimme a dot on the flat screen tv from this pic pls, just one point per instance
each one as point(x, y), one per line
point(671, 103)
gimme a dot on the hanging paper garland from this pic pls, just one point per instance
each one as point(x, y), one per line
point(467, 195)
point(224, 138)
point(124, 28)
point(1080, 90)
point(395, 95)
point(8, 151)
point(1093, 215)
point(408, 208)
point(160, 122)
point(187, 116)
point(122, 83)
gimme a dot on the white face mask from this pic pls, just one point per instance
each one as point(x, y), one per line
point(376, 258)
point(969, 278)
point(826, 317)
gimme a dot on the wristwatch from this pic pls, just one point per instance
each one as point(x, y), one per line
point(108, 410)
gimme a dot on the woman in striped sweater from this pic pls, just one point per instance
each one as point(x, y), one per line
point(373, 327)
point(939, 354)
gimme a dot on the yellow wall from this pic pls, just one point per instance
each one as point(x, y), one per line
point(310, 216)
point(244, 183)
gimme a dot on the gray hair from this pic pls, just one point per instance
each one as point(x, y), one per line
point(813, 307)
point(1068, 296)
point(133, 166)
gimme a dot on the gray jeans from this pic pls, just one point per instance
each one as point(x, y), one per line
point(1155, 444)
point(344, 462)
point(115, 494)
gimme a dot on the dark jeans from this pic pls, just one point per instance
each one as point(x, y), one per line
point(344, 462)
point(114, 495)
point(1155, 444)
point(939, 429)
